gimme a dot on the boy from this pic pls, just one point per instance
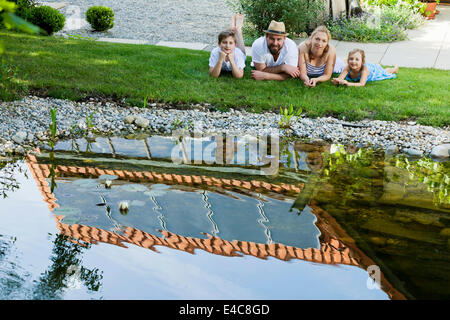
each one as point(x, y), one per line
point(229, 55)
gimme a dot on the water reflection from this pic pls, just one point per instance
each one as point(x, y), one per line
point(328, 204)
point(396, 210)
point(8, 182)
point(66, 271)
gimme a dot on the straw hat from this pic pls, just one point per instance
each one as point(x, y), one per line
point(276, 28)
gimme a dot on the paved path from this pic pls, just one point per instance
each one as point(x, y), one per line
point(426, 47)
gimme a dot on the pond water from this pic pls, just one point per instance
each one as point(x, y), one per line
point(197, 227)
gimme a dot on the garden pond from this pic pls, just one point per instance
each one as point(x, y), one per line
point(153, 217)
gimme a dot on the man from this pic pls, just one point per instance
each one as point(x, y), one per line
point(275, 57)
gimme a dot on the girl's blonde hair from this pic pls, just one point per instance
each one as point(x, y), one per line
point(363, 55)
point(317, 30)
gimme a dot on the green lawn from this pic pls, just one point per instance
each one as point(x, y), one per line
point(74, 69)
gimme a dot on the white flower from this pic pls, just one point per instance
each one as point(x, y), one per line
point(123, 206)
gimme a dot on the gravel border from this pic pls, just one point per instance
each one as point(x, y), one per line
point(24, 125)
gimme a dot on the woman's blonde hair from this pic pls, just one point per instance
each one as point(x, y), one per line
point(363, 55)
point(317, 30)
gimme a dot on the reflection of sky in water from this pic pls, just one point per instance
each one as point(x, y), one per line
point(246, 150)
point(28, 228)
point(188, 213)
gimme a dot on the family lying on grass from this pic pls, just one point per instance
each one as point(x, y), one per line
point(276, 57)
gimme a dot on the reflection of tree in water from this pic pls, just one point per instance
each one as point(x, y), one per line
point(66, 264)
point(8, 182)
point(383, 203)
point(11, 278)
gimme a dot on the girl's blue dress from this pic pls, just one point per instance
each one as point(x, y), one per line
point(376, 72)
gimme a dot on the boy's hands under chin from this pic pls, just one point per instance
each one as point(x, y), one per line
point(222, 55)
point(231, 56)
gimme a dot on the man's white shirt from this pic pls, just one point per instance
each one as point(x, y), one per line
point(261, 53)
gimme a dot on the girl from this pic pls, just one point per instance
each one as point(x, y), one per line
point(358, 72)
point(229, 55)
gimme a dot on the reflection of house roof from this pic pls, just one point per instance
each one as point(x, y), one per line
point(332, 250)
point(42, 171)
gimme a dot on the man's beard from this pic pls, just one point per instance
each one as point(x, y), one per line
point(274, 51)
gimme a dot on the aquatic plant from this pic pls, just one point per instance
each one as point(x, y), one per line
point(123, 207)
point(287, 116)
point(108, 184)
point(89, 122)
point(52, 127)
point(176, 124)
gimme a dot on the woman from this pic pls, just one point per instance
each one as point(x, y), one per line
point(317, 58)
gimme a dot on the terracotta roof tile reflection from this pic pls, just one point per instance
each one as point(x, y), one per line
point(332, 250)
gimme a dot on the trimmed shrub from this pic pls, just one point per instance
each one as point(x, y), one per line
point(100, 18)
point(47, 18)
point(298, 15)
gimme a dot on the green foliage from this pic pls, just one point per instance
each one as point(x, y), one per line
point(47, 18)
point(11, 87)
point(338, 157)
point(145, 101)
point(297, 15)
point(101, 18)
point(416, 4)
point(435, 175)
point(24, 8)
point(404, 15)
point(287, 115)
point(359, 29)
point(378, 23)
point(9, 20)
